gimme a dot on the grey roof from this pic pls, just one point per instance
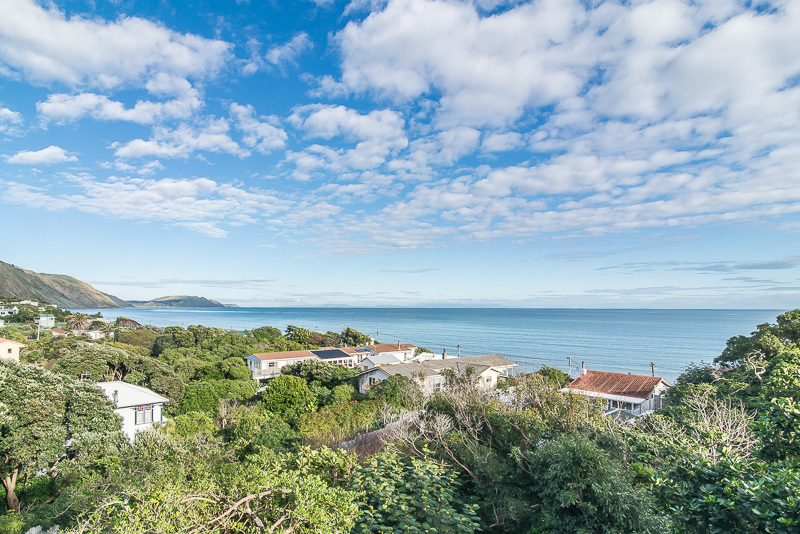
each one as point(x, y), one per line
point(489, 360)
point(330, 354)
point(382, 359)
point(459, 365)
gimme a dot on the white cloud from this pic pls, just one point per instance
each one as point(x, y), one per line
point(488, 69)
point(377, 134)
point(181, 142)
point(45, 46)
point(10, 121)
point(199, 204)
point(501, 142)
point(264, 136)
point(46, 156)
point(286, 54)
point(66, 108)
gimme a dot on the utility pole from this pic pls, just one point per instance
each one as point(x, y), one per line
point(653, 368)
point(570, 366)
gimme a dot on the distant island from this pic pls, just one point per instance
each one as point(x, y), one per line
point(181, 301)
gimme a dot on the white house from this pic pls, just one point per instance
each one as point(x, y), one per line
point(138, 406)
point(624, 395)
point(9, 350)
point(379, 359)
point(430, 374)
point(268, 365)
point(5, 312)
point(403, 351)
point(45, 320)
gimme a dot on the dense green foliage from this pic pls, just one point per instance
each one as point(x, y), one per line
point(44, 416)
point(723, 457)
point(411, 495)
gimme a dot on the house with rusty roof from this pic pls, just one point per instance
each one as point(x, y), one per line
point(430, 374)
point(624, 395)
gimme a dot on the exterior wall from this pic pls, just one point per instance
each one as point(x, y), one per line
point(9, 351)
point(367, 380)
point(129, 424)
point(402, 355)
point(46, 321)
point(351, 362)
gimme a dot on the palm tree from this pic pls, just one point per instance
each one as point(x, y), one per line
point(107, 329)
point(77, 322)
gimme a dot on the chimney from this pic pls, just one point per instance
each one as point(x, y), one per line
point(583, 368)
point(398, 345)
point(116, 396)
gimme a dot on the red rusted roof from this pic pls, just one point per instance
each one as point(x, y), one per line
point(617, 384)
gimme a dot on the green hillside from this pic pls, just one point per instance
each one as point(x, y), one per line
point(59, 289)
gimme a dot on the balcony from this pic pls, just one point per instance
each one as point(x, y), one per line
point(265, 374)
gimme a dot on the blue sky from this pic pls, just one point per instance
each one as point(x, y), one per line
point(406, 153)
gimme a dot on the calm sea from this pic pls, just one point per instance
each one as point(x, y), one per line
point(623, 341)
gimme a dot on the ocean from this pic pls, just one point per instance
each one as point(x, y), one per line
point(623, 341)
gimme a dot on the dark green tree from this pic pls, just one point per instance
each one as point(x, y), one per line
point(44, 416)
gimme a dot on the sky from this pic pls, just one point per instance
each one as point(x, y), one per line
point(556, 153)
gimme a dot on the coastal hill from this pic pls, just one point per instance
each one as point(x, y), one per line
point(181, 301)
point(64, 291)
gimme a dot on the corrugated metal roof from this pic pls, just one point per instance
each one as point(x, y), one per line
point(636, 386)
point(129, 394)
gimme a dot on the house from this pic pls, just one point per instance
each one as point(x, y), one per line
point(139, 407)
point(337, 356)
point(268, 365)
point(430, 374)
point(45, 320)
point(379, 359)
point(59, 332)
point(403, 351)
point(5, 312)
point(625, 395)
point(94, 334)
point(9, 350)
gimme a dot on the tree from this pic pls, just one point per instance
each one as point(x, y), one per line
point(77, 322)
point(44, 417)
point(105, 362)
point(580, 489)
point(354, 338)
point(173, 337)
point(326, 374)
point(410, 495)
point(288, 396)
point(298, 335)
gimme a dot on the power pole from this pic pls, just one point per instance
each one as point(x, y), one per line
point(570, 366)
point(653, 368)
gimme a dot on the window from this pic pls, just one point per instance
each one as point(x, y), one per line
point(9, 351)
point(144, 414)
point(271, 364)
